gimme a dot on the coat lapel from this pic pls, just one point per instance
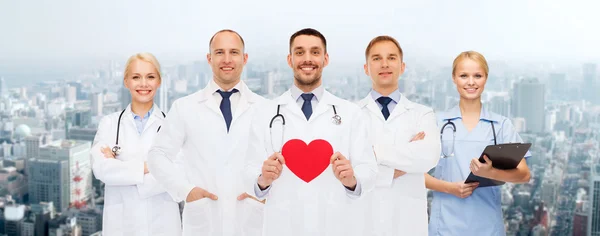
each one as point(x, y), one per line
point(370, 104)
point(324, 105)
point(205, 96)
point(247, 98)
point(286, 100)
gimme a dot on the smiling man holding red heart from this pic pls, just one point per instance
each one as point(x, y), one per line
point(309, 154)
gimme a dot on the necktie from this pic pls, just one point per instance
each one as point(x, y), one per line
point(226, 106)
point(307, 106)
point(384, 101)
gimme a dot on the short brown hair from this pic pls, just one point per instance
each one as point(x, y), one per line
point(309, 32)
point(226, 30)
point(383, 38)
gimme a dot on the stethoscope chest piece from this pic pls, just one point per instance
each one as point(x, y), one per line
point(336, 119)
point(116, 150)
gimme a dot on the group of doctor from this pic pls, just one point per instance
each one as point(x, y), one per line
point(219, 150)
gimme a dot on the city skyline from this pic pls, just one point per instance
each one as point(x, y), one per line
point(61, 65)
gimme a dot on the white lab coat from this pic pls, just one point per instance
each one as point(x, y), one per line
point(320, 207)
point(399, 206)
point(134, 203)
point(213, 160)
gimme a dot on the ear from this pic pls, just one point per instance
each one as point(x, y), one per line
point(326, 61)
point(366, 67)
point(402, 68)
point(208, 58)
point(245, 58)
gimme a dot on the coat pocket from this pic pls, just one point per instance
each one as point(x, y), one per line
point(198, 218)
point(250, 217)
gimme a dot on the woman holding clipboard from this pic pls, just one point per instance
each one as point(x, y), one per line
point(466, 130)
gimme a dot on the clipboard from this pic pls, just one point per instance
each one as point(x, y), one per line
point(504, 156)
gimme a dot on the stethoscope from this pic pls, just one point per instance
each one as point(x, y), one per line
point(453, 127)
point(336, 119)
point(117, 149)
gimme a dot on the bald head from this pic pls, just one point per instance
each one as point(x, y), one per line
point(226, 34)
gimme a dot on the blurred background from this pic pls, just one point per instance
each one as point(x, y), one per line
point(61, 70)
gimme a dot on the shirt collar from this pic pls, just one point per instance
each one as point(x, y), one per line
point(135, 116)
point(395, 96)
point(213, 87)
point(296, 92)
point(486, 115)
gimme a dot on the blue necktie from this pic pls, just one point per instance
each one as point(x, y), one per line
point(226, 106)
point(384, 101)
point(306, 106)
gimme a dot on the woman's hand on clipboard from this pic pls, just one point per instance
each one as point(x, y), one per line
point(482, 169)
point(462, 190)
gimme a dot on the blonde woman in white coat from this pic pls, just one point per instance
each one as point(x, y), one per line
point(134, 203)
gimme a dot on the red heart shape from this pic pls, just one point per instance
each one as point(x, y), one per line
point(307, 161)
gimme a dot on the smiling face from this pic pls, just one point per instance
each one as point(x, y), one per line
point(470, 76)
point(384, 64)
point(227, 58)
point(307, 59)
point(142, 79)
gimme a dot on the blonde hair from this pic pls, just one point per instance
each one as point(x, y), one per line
point(473, 55)
point(144, 56)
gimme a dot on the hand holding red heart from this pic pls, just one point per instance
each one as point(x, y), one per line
point(271, 170)
point(342, 169)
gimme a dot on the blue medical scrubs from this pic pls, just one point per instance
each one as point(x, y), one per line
point(481, 213)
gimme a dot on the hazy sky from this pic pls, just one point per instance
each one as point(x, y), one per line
point(69, 31)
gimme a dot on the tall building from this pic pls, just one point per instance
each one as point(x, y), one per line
point(182, 72)
point(269, 83)
point(28, 226)
point(82, 134)
point(14, 216)
point(499, 105)
point(49, 182)
point(78, 156)
point(32, 144)
point(580, 220)
point(23, 92)
point(71, 94)
point(90, 221)
point(557, 83)
point(64, 225)
point(97, 103)
point(43, 213)
point(550, 121)
point(3, 88)
point(125, 97)
point(163, 93)
point(78, 92)
point(590, 89)
point(593, 225)
point(80, 118)
point(439, 98)
point(529, 99)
